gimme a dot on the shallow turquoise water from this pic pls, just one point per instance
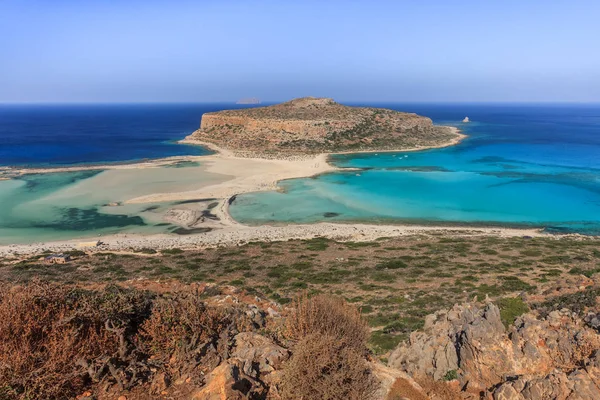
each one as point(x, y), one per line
point(68, 205)
point(27, 215)
point(523, 166)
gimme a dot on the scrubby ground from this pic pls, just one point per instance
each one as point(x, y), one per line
point(394, 282)
point(186, 342)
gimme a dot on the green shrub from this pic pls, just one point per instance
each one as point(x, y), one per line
point(451, 375)
point(391, 264)
point(317, 244)
point(171, 251)
point(577, 302)
point(585, 272)
point(510, 309)
point(382, 342)
point(512, 283)
point(146, 250)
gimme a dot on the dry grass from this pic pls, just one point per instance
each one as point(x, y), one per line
point(402, 389)
point(59, 341)
point(439, 390)
point(327, 315)
point(323, 368)
point(394, 281)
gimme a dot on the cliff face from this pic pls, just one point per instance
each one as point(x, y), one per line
point(319, 125)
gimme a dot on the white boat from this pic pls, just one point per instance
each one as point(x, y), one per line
point(466, 120)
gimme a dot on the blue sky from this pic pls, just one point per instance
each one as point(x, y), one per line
point(222, 50)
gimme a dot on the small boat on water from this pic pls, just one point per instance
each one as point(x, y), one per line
point(466, 120)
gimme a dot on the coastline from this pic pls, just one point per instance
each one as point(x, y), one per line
point(459, 137)
point(15, 172)
point(240, 234)
point(11, 172)
point(250, 174)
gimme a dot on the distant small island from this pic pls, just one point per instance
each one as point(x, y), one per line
point(248, 100)
point(312, 125)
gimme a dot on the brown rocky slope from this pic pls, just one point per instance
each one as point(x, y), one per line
point(176, 341)
point(309, 125)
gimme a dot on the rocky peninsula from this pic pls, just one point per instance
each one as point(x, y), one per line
point(312, 125)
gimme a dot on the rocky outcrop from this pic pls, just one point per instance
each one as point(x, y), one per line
point(577, 385)
point(248, 373)
point(319, 125)
point(555, 357)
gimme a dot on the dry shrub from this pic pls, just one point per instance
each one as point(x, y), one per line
point(402, 389)
point(327, 315)
point(30, 344)
point(183, 331)
point(56, 340)
point(323, 368)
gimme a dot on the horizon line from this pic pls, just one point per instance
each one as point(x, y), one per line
point(269, 102)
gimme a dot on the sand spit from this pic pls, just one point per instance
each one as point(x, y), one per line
point(13, 172)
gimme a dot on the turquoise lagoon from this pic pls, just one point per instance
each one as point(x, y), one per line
point(522, 165)
point(68, 205)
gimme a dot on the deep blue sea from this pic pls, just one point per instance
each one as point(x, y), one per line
point(43, 135)
point(522, 165)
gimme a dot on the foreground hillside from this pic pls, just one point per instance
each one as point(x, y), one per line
point(423, 317)
point(208, 343)
point(309, 125)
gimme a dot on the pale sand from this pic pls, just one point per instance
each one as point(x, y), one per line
point(250, 175)
point(160, 162)
point(240, 234)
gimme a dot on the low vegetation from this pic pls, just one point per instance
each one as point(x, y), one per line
point(394, 282)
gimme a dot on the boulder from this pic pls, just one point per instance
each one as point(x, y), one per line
point(228, 382)
point(556, 386)
point(258, 355)
point(462, 333)
point(391, 379)
point(248, 373)
point(534, 357)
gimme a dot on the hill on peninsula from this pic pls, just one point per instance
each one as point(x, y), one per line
point(311, 125)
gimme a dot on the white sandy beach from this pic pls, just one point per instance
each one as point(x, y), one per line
point(240, 234)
